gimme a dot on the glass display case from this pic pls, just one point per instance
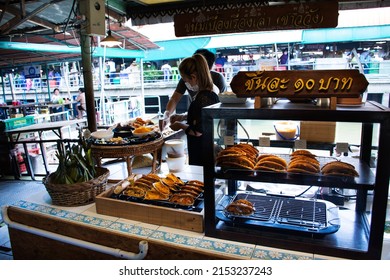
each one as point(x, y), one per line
point(346, 232)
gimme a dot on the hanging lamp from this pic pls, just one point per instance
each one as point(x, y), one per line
point(109, 41)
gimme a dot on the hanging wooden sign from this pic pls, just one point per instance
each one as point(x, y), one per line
point(299, 83)
point(263, 18)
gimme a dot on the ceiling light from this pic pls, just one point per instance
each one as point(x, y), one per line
point(109, 41)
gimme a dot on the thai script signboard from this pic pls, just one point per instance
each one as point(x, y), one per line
point(250, 19)
point(299, 83)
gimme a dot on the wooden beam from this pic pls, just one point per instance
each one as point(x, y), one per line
point(31, 17)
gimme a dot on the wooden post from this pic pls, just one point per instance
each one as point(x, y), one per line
point(85, 44)
point(257, 102)
point(333, 103)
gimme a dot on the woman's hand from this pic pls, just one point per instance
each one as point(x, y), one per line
point(178, 125)
point(178, 118)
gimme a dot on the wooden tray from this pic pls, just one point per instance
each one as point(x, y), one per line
point(148, 213)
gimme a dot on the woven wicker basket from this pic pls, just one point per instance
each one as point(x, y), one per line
point(78, 193)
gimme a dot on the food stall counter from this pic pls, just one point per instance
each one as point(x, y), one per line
point(84, 224)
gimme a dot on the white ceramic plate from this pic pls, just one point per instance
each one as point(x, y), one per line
point(102, 134)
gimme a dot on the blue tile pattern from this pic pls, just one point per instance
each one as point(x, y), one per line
point(131, 229)
point(175, 238)
point(268, 254)
point(60, 213)
point(229, 248)
point(214, 246)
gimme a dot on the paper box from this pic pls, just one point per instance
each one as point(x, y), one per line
point(324, 132)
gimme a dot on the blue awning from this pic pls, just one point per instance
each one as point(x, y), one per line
point(346, 34)
point(254, 39)
point(180, 48)
point(174, 49)
point(98, 51)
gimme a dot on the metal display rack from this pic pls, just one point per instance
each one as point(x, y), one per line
point(361, 232)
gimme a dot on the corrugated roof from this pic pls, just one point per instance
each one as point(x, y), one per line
point(53, 23)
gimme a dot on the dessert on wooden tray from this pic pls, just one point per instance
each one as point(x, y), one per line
point(152, 187)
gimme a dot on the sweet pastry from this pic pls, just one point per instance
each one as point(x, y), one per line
point(310, 159)
point(152, 177)
point(174, 178)
point(339, 168)
point(135, 192)
point(303, 161)
point(182, 199)
point(302, 167)
point(190, 192)
point(196, 189)
point(232, 151)
point(240, 207)
point(154, 187)
point(247, 148)
point(269, 162)
point(119, 188)
point(302, 153)
point(238, 161)
point(270, 166)
point(273, 158)
point(138, 122)
point(261, 156)
point(161, 188)
point(145, 181)
point(155, 195)
point(239, 156)
point(247, 202)
point(195, 183)
point(143, 185)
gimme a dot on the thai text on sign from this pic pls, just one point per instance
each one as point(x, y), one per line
point(317, 83)
point(249, 19)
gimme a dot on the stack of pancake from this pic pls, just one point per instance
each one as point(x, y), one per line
point(269, 162)
point(245, 156)
point(239, 156)
point(339, 168)
point(303, 161)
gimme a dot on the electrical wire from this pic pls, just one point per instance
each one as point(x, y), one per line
point(246, 132)
point(72, 10)
point(238, 122)
point(305, 191)
point(337, 191)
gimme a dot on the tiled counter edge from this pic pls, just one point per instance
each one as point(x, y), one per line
point(87, 215)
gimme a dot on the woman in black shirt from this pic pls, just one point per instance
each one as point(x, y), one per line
point(195, 73)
